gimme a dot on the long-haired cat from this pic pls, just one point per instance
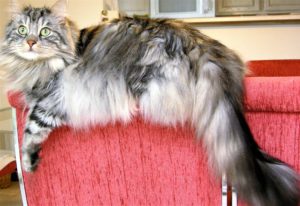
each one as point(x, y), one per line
point(164, 70)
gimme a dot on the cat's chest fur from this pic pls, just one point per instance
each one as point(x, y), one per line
point(33, 79)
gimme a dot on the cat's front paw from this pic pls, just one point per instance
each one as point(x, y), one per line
point(30, 161)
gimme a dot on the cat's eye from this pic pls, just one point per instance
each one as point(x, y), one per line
point(45, 32)
point(22, 30)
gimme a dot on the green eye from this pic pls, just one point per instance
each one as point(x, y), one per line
point(45, 32)
point(22, 30)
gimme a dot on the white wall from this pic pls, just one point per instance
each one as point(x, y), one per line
point(3, 20)
point(83, 12)
point(5, 113)
point(259, 41)
point(3, 14)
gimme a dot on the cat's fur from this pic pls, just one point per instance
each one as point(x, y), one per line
point(164, 70)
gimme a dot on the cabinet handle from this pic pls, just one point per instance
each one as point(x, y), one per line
point(104, 12)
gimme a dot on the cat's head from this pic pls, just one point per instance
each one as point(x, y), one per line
point(39, 34)
point(38, 42)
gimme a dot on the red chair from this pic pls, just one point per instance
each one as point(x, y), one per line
point(146, 164)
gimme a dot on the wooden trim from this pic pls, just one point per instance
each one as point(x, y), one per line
point(277, 19)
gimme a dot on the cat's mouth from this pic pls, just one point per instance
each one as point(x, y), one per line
point(29, 55)
point(33, 54)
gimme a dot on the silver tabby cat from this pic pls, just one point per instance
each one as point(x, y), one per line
point(164, 70)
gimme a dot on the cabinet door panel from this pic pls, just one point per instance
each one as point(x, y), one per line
point(233, 7)
point(131, 7)
point(282, 5)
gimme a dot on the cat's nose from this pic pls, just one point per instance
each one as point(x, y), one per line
point(31, 42)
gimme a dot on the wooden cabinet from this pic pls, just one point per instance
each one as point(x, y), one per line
point(182, 9)
point(282, 5)
point(252, 7)
point(229, 7)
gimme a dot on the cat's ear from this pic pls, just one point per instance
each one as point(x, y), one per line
point(59, 9)
point(14, 8)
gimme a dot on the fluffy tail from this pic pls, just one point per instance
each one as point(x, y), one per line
point(260, 179)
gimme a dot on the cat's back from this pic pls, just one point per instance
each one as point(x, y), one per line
point(135, 37)
point(143, 46)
